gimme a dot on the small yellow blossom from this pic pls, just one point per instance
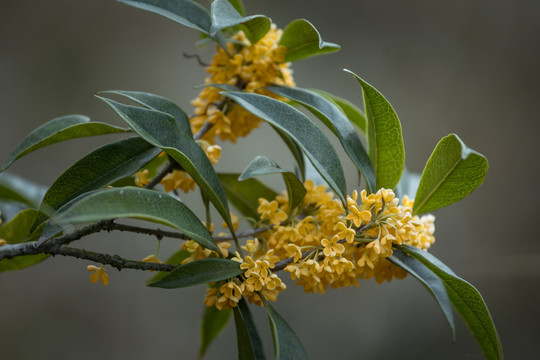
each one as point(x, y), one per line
point(141, 178)
point(332, 247)
point(3, 242)
point(98, 274)
point(178, 180)
point(152, 259)
point(269, 210)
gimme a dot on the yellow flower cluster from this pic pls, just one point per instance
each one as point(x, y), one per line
point(331, 247)
point(258, 279)
point(247, 66)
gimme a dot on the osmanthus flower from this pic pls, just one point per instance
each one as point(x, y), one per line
point(198, 252)
point(331, 247)
point(270, 211)
point(152, 259)
point(250, 67)
point(141, 178)
point(3, 242)
point(98, 273)
point(178, 179)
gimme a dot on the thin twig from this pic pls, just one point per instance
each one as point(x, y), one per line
point(170, 167)
point(191, 56)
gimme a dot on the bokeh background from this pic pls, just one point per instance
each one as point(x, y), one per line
point(468, 67)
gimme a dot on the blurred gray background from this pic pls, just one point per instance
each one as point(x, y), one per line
point(469, 67)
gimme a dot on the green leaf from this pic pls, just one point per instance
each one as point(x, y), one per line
point(239, 6)
point(213, 322)
point(98, 169)
point(287, 345)
point(17, 189)
point(296, 152)
point(353, 113)
point(184, 12)
point(467, 301)
point(17, 231)
point(160, 130)
point(452, 172)
point(302, 40)
point(430, 281)
point(336, 121)
point(199, 272)
point(385, 141)
point(244, 196)
point(302, 130)
point(57, 130)
point(262, 165)
point(159, 103)
point(249, 343)
point(129, 202)
point(174, 259)
point(225, 15)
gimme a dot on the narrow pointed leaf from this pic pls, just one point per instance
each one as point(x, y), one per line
point(353, 113)
point(452, 172)
point(57, 130)
point(336, 121)
point(130, 202)
point(249, 343)
point(287, 345)
point(225, 15)
point(262, 165)
point(184, 12)
point(467, 301)
point(159, 103)
point(244, 196)
point(98, 169)
point(160, 130)
point(430, 281)
point(213, 323)
point(385, 141)
point(303, 131)
point(16, 189)
point(199, 272)
point(302, 40)
point(16, 231)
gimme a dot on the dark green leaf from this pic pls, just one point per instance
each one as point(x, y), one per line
point(17, 189)
point(302, 40)
point(287, 345)
point(385, 141)
point(184, 12)
point(159, 103)
point(249, 343)
point(296, 152)
point(467, 301)
point(213, 322)
point(452, 172)
point(130, 202)
point(225, 15)
point(16, 231)
point(199, 272)
point(57, 130)
point(353, 113)
point(262, 165)
point(98, 169)
point(174, 259)
point(244, 196)
point(305, 133)
point(160, 130)
point(430, 281)
point(336, 121)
